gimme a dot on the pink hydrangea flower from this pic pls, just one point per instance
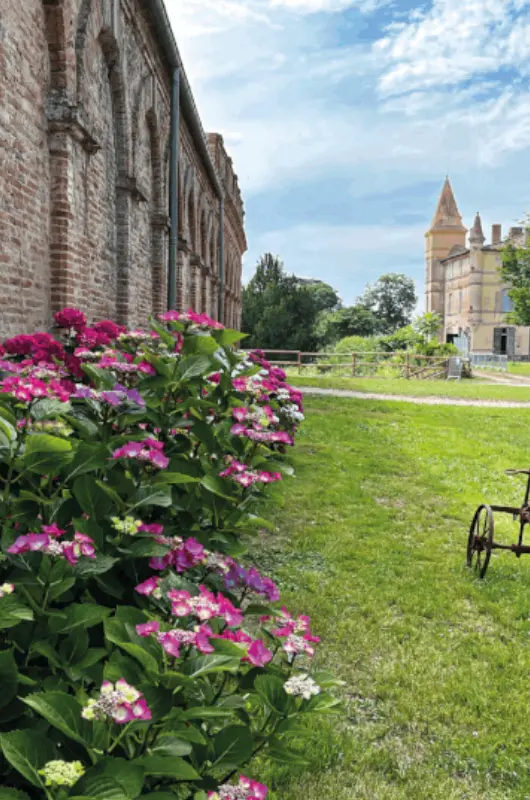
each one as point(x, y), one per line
point(70, 318)
point(147, 628)
point(149, 450)
point(150, 587)
point(246, 789)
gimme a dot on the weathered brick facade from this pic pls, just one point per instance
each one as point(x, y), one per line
point(85, 88)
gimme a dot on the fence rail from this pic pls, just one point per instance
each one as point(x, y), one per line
point(362, 364)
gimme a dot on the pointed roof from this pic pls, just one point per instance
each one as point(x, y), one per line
point(476, 235)
point(447, 214)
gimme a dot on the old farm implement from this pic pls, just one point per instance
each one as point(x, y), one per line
point(481, 542)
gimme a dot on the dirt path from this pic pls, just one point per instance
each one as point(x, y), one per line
point(421, 401)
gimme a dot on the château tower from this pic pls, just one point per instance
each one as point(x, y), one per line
point(446, 233)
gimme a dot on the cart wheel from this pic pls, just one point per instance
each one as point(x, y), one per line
point(480, 540)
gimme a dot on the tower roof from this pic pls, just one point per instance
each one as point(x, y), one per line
point(447, 214)
point(476, 235)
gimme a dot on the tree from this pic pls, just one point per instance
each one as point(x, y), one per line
point(428, 325)
point(392, 299)
point(324, 295)
point(350, 321)
point(515, 270)
point(278, 312)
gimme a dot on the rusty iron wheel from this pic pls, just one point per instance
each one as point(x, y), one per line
point(480, 540)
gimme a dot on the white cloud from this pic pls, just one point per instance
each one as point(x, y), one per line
point(451, 42)
point(426, 98)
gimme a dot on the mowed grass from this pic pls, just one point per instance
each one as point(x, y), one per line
point(371, 544)
point(473, 389)
point(519, 368)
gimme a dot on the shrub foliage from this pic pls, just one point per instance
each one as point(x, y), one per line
point(140, 655)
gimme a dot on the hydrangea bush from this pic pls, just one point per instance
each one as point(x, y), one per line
point(141, 656)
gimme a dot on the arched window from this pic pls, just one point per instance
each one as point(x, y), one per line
point(507, 303)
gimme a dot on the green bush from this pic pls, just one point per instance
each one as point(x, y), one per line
point(139, 657)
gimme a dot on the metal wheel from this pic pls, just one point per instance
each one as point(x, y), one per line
point(480, 540)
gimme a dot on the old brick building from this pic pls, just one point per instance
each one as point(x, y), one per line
point(86, 116)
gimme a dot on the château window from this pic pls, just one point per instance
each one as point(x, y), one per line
point(507, 303)
point(450, 304)
point(459, 302)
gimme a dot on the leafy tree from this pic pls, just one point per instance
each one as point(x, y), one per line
point(278, 312)
point(428, 325)
point(324, 295)
point(515, 270)
point(350, 321)
point(392, 299)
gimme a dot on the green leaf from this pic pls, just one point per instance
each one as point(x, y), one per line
point(205, 665)
point(153, 496)
point(168, 767)
point(49, 408)
point(78, 615)
point(124, 635)
point(103, 788)
point(8, 430)
point(193, 367)
point(270, 689)
point(94, 501)
point(206, 712)
point(13, 794)
point(228, 337)
point(277, 751)
point(63, 712)
point(232, 746)
point(218, 486)
point(27, 751)
point(128, 776)
point(46, 454)
point(175, 478)
point(171, 746)
point(12, 612)
point(47, 650)
point(8, 677)
point(89, 457)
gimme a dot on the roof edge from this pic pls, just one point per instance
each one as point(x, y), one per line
point(167, 38)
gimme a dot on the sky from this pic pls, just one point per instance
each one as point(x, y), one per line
point(344, 116)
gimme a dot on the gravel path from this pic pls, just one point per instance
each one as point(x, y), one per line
point(420, 401)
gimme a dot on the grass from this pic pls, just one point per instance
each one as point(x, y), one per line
point(371, 544)
point(519, 368)
point(472, 389)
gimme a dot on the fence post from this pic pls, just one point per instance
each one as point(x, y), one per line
point(353, 364)
point(407, 365)
point(299, 362)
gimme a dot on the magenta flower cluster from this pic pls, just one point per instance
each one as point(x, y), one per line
point(246, 477)
point(149, 451)
point(206, 605)
point(48, 542)
point(192, 318)
point(120, 702)
point(245, 789)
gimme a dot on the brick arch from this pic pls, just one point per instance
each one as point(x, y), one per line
point(203, 240)
point(156, 211)
point(115, 249)
point(56, 16)
point(191, 218)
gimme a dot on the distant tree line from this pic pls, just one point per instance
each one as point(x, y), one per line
point(282, 311)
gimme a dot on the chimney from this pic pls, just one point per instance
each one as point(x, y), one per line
point(496, 234)
point(515, 234)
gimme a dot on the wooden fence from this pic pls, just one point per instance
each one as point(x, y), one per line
point(398, 364)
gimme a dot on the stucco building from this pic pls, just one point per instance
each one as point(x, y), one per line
point(106, 175)
point(464, 284)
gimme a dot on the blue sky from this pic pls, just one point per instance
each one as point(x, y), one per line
point(344, 116)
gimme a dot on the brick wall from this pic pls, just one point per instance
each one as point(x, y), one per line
point(84, 171)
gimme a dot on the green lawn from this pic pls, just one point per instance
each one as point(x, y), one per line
point(519, 368)
point(371, 544)
point(473, 389)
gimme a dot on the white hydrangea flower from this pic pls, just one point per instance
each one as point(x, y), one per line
point(301, 686)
